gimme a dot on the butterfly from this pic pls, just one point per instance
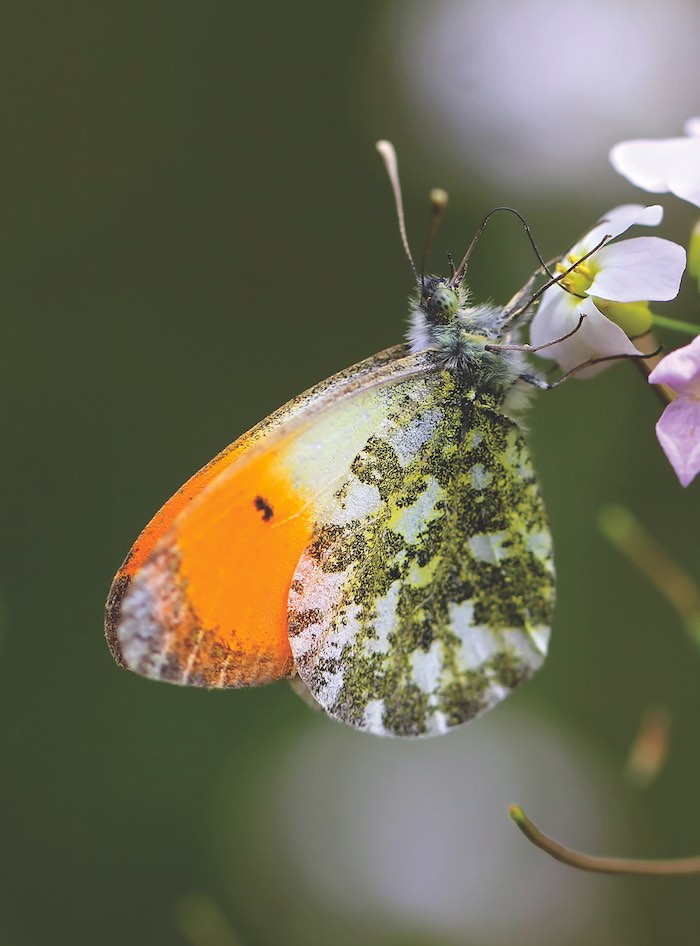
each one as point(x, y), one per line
point(380, 540)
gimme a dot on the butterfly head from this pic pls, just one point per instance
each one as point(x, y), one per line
point(440, 309)
point(439, 300)
point(443, 322)
point(460, 336)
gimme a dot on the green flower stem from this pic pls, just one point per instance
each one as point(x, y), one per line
point(649, 342)
point(626, 533)
point(675, 325)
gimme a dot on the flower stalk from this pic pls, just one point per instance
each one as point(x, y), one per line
point(626, 533)
point(674, 867)
point(675, 325)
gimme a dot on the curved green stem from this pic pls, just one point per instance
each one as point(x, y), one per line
point(621, 527)
point(675, 325)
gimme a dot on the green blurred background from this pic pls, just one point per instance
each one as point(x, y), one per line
point(194, 228)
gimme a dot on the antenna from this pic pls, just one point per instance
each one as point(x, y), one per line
point(438, 204)
point(388, 155)
point(462, 268)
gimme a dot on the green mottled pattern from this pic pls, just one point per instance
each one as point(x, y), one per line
point(426, 594)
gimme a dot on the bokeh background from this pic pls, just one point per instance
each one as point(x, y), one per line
point(194, 228)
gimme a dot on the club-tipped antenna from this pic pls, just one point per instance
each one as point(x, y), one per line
point(462, 268)
point(388, 155)
point(438, 204)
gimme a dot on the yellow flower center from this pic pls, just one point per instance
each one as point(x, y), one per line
point(634, 318)
point(580, 278)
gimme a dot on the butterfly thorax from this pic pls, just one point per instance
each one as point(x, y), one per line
point(442, 321)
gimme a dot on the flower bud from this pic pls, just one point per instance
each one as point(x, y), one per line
point(694, 253)
point(634, 318)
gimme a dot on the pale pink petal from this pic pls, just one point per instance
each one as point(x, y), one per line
point(680, 369)
point(647, 163)
point(678, 431)
point(684, 175)
point(617, 221)
point(692, 127)
point(640, 268)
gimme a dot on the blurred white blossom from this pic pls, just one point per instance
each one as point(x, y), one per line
point(663, 165)
point(505, 87)
point(415, 835)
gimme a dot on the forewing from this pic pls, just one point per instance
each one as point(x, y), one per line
point(202, 597)
point(425, 595)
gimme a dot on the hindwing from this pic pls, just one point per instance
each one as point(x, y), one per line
point(426, 592)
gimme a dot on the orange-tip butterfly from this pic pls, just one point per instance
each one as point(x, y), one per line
point(381, 538)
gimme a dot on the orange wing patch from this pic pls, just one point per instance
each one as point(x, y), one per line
point(206, 605)
point(177, 503)
point(202, 598)
point(321, 395)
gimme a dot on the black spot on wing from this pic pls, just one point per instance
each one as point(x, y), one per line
point(264, 507)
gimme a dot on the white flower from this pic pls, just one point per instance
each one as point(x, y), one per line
point(663, 165)
point(616, 281)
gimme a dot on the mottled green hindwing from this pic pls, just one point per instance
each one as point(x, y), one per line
point(426, 594)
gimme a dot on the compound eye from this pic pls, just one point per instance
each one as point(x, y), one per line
point(443, 303)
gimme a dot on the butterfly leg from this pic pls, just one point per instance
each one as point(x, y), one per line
point(538, 382)
point(521, 301)
point(532, 349)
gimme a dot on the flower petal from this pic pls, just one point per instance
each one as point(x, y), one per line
point(684, 175)
point(646, 162)
point(603, 338)
point(692, 127)
point(617, 221)
point(680, 369)
point(678, 431)
point(556, 316)
point(597, 337)
point(640, 268)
